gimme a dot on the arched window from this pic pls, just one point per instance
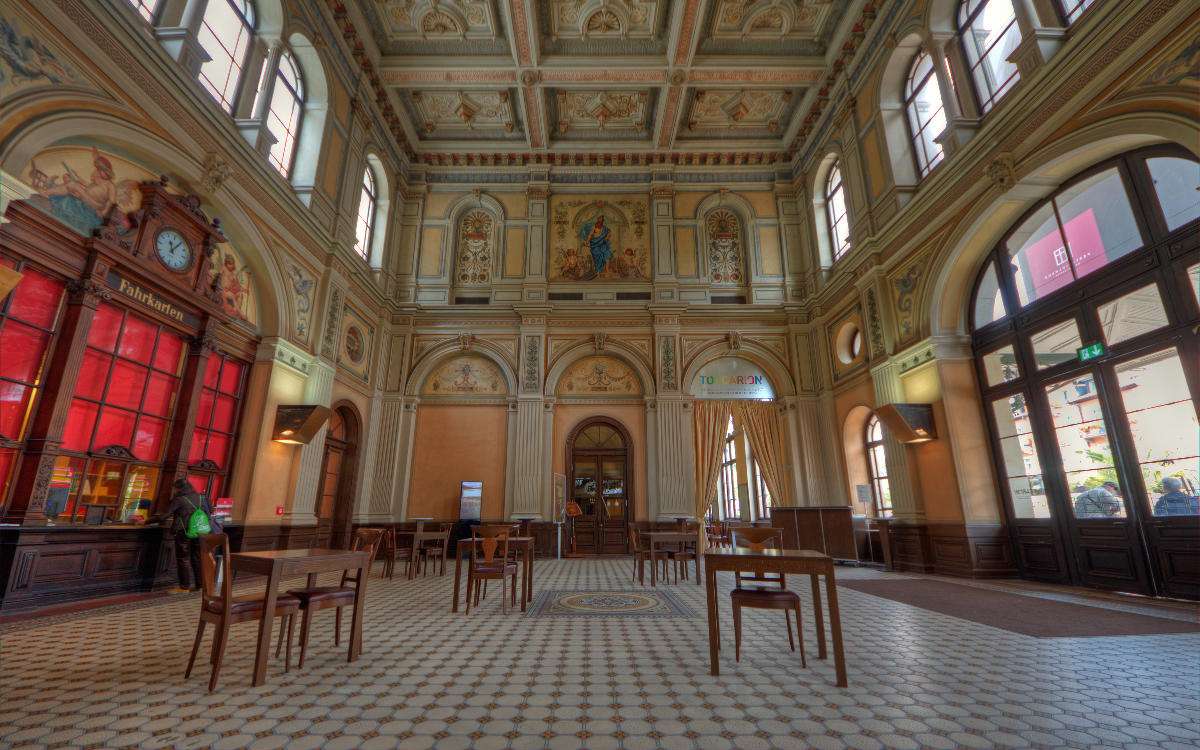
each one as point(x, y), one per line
point(989, 33)
point(1073, 9)
point(225, 34)
point(926, 116)
point(835, 206)
point(148, 9)
point(877, 467)
point(283, 118)
point(365, 228)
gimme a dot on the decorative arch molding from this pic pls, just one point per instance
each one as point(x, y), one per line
point(456, 212)
point(425, 366)
point(383, 192)
point(271, 18)
point(316, 107)
point(821, 227)
point(747, 349)
point(612, 348)
point(428, 10)
point(749, 236)
point(590, 9)
point(901, 159)
point(946, 294)
point(163, 157)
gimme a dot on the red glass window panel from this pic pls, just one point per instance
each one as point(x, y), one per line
point(148, 441)
point(81, 419)
point(160, 394)
point(196, 450)
point(106, 327)
point(24, 347)
point(218, 447)
point(212, 371)
point(225, 413)
point(137, 340)
point(36, 299)
point(93, 374)
point(205, 409)
point(14, 402)
point(169, 355)
point(115, 427)
point(231, 378)
point(199, 482)
point(126, 384)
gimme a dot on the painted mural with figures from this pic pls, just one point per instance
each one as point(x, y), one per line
point(599, 376)
point(467, 375)
point(83, 186)
point(29, 63)
point(600, 238)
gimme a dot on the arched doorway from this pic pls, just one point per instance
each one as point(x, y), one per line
point(598, 463)
point(335, 495)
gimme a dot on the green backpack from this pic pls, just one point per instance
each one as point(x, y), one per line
point(197, 523)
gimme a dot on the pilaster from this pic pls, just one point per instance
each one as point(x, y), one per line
point(537, 211)
point(906, 504)
point(673, 482)
point(317, 390)
point(662, 223)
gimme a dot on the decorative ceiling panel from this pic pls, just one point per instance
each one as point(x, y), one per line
point(756, 27)
point(738, 113)
point(603, 27)
point(601, 114)
point(436, 27)
point(441, 114)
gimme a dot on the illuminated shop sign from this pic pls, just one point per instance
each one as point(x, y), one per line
point(147, 298)
point(732, 377)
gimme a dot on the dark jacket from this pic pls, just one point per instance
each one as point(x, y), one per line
point(181, 508)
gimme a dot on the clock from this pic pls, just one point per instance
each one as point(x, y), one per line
point(173, 250)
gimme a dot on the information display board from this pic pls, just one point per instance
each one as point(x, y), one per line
point(470, 501)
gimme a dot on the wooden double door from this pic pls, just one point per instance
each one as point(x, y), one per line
point(599, 465)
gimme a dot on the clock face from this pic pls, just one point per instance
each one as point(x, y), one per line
point(172, 250)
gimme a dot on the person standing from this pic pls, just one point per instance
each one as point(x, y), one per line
point(1099, 502)
point(184, 503)
point(1174, 502)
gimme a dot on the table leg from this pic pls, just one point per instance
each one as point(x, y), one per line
point(696, 563)
point(265, 627)
point(457, 574)
point(835, 624)
point(653, 565)
point(526, 583)
point(820, 620)
point(360, 599)
point(710, 581)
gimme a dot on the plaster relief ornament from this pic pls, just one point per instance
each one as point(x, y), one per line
point(449, 111)
point(474, 261)
point(724, 246)
point(618, 19)
point(597, 109)
point(739, 109)
point(439, 19)
point(773, 19)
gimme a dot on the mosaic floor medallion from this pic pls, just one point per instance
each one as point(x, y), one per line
point(610, 603)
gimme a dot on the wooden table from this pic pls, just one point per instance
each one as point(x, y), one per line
point(275, 564)
point(670, 537)
point(783, 561)
point(526, 544)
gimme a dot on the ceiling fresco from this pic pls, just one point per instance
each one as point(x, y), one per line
point(592, 77)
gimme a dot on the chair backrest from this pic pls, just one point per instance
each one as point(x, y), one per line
point(757, 537)
point(488, 539)
point(368, 539)
point(635, 541)
point(216, 585)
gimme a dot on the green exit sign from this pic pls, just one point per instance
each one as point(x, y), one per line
point(1091, 351)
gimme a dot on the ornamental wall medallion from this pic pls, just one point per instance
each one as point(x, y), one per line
point(473, 264)
point(725, 255)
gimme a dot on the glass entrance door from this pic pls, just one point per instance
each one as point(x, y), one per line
point(600, 485)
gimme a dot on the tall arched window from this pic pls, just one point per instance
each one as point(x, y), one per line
point(989, 33)
point(1073, 9)
point(365, 228)
point(148, 9)
point(835, 207)
point(877, 466)
point(225, 34)
point(926, 116)
point(287, 106)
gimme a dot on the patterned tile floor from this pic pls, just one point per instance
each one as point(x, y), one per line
point(112, 678)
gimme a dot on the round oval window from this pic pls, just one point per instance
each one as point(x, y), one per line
point(848, 343)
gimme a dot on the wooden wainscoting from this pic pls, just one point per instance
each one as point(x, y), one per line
point(957, 549)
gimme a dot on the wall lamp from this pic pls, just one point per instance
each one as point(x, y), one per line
point(910, 423)
point(296, 424)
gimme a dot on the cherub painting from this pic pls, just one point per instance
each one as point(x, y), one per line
point(234, 281)
point(86, 204)
point(600, 238)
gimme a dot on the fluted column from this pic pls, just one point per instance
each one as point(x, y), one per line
point(528, 482)
point(674, 480)
point(317, 390)
point(804, 424)
point(404, 449)
point(388, 416)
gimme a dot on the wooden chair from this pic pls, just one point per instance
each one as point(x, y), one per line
point(762, 595)
point(687, 550)
point(489, 561)
point(640, 555)
point(219, 606)
point(434, 547)
point(324, 597)
point(392, 551)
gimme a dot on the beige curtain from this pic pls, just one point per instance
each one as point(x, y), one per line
point(710, 423)
point(760, 421)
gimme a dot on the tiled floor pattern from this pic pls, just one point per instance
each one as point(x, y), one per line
point(433, 679)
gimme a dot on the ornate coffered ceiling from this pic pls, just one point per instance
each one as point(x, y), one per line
point(561, 79)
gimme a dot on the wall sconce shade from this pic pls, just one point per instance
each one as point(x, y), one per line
point(910, 423)
point(296, 424)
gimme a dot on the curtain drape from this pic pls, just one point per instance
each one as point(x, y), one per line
point(760, 421)
point(710, 423)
